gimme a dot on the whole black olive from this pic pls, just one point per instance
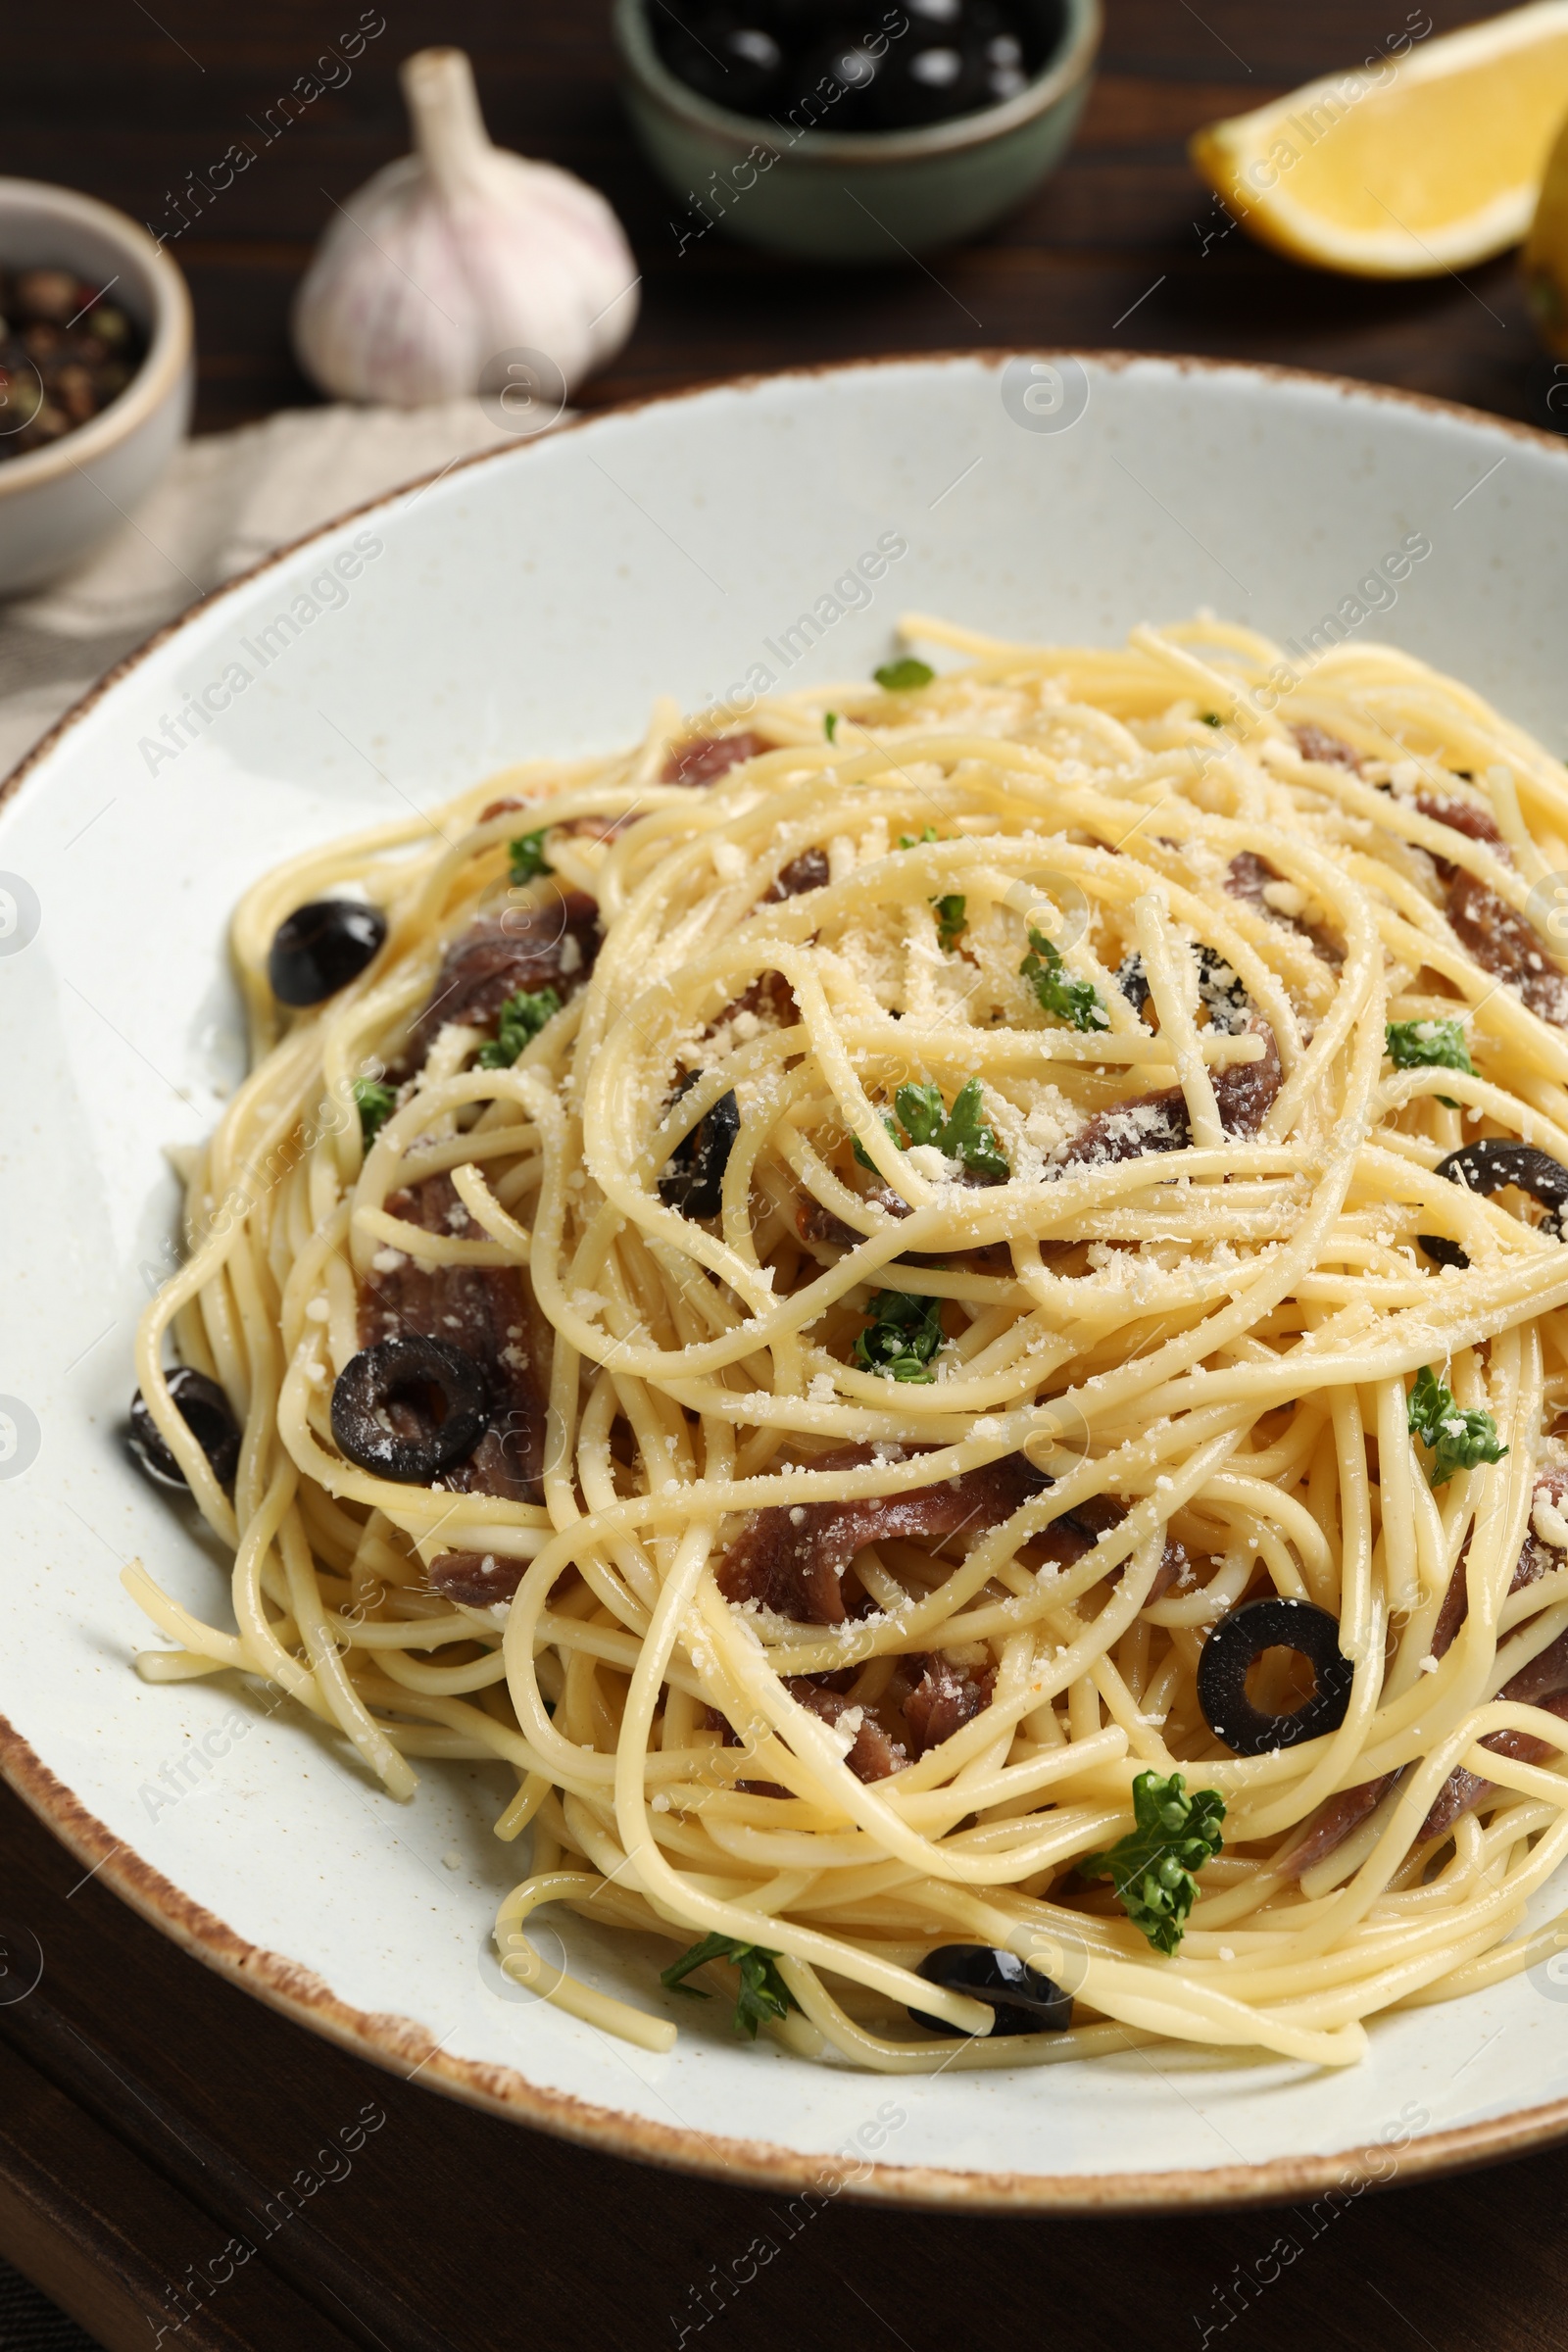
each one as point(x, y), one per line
point(1005, 68)
point(957, 57)
point(1489, 1167)
point(824, 65)
point(797, 21)
point(693, 1180)
point(205, 1410)
point(1234, 1647)
point(320, 948)
point(728, 55)
point(1024, 2000)
point(929, 80)
point(838, 75)
point(408, 1408)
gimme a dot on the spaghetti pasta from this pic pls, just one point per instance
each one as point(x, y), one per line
point(939, 1215)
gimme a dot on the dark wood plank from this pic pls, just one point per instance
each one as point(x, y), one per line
point(115, 2244)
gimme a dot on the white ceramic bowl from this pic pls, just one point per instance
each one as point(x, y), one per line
point(538, 600)
point(56, 503)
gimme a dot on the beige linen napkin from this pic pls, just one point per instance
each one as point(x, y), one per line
point(225, 501)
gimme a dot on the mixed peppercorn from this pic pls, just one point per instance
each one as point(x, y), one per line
point(66, 352)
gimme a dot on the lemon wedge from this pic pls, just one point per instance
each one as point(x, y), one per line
point(1428, 157)
point(1546, 253)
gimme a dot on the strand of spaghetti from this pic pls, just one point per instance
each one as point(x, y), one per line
point(682, 1586)
point(177, 1622)
point(1171, 994)
point(487, 1211)
point(522, 1963)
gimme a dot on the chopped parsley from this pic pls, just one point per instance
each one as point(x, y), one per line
point(865, 1157)
point(922, 1111)
point(528, 855)
point(1212, 718)
point(521, 1018)
point(903, 677)
point(830, 725)
point(1075, 1001)
point(1152, 1867)
point(1457, 1440)
point(950, 919)
point(1429, 1045)
point(961, 1133)
point(376, 1105)
point(964, 1135)
point(900, 1338)
point(764, 1993)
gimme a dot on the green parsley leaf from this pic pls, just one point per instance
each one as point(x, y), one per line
point(924, 1112)
point(375, 1104)
point(830, 725)
point(1075, 1001)
point(1212, 718)
point(528, 855)
point(1457, 1441)
point(966, 1136)
point(901, 1336)
point(764, 1993)
point(521, 1018)
point(903, 677)
point(961, 1133)
point(950, 919)
point(1429, 1045)
point(865, 1157)
point(1151, 1868)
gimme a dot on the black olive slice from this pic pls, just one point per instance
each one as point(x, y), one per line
point(693, 1180)
point(408, 1408)
point(1220, 988)
point(1440, 1250)
point(205, 1410)
point(1234, 1647)
point(320, 948)
point(1230, 1007)
point(1488, 1167)
point(1133, 980)
point(1024, 2000)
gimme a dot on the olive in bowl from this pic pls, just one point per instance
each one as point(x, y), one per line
point(853, 134)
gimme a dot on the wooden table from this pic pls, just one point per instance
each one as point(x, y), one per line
point(1110, 252)
point(149, 2113)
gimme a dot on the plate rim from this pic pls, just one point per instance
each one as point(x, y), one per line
point(400, 2044)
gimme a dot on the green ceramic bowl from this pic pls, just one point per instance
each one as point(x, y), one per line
point(850, 196)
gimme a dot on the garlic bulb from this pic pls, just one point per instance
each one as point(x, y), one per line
point(457, 254)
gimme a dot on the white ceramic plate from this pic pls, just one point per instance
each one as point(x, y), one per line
point(537, 601)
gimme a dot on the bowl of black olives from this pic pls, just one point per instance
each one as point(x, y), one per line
point(849, 130)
